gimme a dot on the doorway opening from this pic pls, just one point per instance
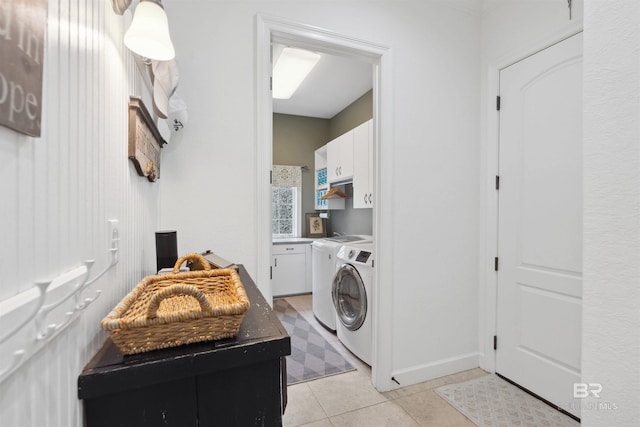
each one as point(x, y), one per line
point(270, 31)
point(333, 99)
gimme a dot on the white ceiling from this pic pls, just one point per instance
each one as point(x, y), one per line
point(332, 85)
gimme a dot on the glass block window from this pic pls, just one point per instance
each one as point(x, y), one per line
point(286, 201)
point(284, 208)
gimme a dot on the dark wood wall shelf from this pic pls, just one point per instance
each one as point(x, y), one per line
point(239, 381)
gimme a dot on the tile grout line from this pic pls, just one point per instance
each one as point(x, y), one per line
point(318, 402)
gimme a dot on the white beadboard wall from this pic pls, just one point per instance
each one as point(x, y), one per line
point(58, 192)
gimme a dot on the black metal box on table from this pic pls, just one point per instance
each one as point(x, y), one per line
point(235, 381)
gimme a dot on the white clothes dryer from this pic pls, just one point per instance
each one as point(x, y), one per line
point(323, 266)
point(352, 294)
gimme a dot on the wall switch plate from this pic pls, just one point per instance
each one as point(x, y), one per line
point(113, 236)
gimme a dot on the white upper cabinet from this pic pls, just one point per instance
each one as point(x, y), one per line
point(348, 158)
point(340, 158)
point(322, 183)
point(363, 165)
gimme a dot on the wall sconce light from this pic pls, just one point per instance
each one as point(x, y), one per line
point(148, 35)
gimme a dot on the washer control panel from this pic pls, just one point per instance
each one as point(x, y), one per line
point(356, 255)
point(363, 256)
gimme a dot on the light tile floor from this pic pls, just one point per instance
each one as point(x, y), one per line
point(350, 399)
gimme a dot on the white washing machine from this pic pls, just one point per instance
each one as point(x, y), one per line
point(352, 294)
point(323, 266)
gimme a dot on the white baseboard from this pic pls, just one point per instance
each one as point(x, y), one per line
point(487, 362)
point(439, 368)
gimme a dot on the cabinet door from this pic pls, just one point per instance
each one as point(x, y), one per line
point(361, 171)
point(166, 403)
point(251, 395)
point(370, 176)
point(333, 160)
point(363, 166)
point(340, 158)
point(308, 271)
point(289, 274)
point(346, 154)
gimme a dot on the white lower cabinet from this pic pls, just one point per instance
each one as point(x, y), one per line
point(291, 269)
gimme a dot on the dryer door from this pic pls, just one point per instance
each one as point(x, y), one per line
point(349, 297)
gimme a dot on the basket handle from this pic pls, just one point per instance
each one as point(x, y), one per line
point(190, 290)
point(192, 257)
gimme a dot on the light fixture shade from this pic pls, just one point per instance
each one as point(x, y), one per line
point(292, 68)
point(148, 35)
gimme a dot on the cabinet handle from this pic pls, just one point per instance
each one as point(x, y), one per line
point(337, 172)
point(275, 260)
point(365, 199)
point(290, 249)
point(369, 197)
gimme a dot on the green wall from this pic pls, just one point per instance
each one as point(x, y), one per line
point(295, 140)
point(355, 114)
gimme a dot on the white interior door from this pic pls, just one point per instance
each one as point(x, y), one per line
point(540, 223)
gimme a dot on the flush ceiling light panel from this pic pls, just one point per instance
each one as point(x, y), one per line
point(291, 69)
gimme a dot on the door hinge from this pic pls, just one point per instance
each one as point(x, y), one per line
point(497, 182)
point(270, 273)
point(495, 263)
point(271, 83)
point(495, 342)
point(498, 102)
point(271, 177)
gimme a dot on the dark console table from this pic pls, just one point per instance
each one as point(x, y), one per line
point(239, 381)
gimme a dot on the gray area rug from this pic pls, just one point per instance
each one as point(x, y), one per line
point(311, 356)
point(490, 401)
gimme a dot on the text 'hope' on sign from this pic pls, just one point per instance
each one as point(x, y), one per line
point(22, 28)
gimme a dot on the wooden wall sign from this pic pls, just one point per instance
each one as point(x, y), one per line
point(145, 141)
point(23, 24)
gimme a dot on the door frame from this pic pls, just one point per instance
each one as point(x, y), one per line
point(271, 29)
point(488, 307)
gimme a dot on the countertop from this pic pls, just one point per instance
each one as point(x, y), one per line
point(292, 240)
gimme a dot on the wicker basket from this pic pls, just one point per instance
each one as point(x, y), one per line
point(172, 309)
